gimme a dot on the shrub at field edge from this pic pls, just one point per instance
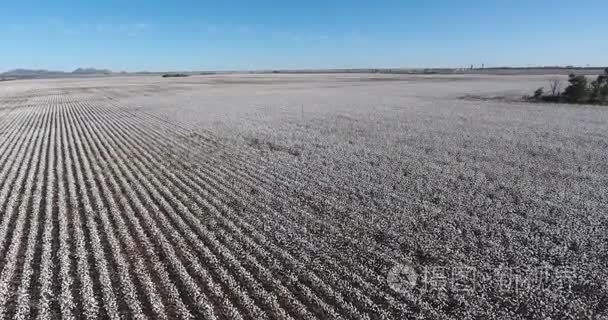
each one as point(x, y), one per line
point(579, 90)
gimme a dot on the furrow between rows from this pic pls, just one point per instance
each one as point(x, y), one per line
point(209, 175)
point(47, 308)
point(207, 235)
point(67, 304)
point(266, 178)
point(93, 211)
point(13, 155)
point(165, 284)
point(84, 293)
point(177, 237)
point(388, 297)
point(30, 271)
point(30, 193)
point(305, 290)
point(197, 298)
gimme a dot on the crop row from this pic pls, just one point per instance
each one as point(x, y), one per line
point(109, 213)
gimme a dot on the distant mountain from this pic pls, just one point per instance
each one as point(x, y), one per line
point(42, 73)
point(27, 73)
point(91, 71)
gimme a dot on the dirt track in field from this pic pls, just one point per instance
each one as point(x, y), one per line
point(113, 209)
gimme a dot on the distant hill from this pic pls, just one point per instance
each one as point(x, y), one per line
point(91, 71)
point(27, 73)
point(42, 73)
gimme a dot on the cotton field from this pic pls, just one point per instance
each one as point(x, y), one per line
point(300, 197)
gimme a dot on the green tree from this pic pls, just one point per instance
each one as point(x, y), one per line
point(578, 89)
point(599, 89)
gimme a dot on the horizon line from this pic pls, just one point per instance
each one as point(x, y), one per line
point(470, 67)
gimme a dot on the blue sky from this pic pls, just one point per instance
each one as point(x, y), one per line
point(227, 35)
